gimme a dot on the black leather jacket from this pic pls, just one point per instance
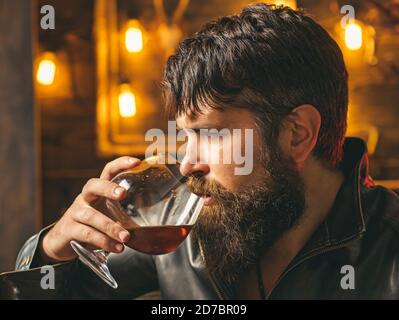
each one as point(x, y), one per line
point(362, 231)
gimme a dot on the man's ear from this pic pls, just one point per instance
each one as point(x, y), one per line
point(300, 132)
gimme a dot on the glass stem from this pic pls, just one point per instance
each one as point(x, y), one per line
point(102, 255)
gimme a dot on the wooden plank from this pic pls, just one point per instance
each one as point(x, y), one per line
point(18, 157)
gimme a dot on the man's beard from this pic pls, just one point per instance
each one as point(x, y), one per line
point(239, 226)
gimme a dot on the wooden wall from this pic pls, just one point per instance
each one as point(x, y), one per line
point(18, 148)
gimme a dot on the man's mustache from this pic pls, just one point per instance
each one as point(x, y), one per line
point(203, 187)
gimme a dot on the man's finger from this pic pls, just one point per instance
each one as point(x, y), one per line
point(93, 218)
point(95, 188)
point(118, 165)
point(93, 237)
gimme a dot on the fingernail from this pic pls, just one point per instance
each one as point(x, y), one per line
point(124, 236)
point(118, 191)
point(131, 160)
point(119, 247)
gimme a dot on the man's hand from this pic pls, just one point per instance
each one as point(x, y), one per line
point(84, 222)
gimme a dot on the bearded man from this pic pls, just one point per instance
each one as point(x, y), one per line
point(306, 223)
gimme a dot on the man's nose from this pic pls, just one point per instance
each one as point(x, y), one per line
point(196, 168)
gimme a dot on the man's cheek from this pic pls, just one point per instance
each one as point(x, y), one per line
point(224, 175)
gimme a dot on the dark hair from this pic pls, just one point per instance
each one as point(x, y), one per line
point(268, 59)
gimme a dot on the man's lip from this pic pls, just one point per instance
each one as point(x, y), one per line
point(208, 200)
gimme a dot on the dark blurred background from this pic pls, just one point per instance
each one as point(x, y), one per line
point(74, 97)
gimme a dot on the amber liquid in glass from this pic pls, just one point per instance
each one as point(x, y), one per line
point(158, 239)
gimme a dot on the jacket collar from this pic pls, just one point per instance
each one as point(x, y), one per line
point(346, 220)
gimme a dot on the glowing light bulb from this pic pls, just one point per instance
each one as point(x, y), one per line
point(134, 37)
point(46, 70)
point(353, 36)
point(127, 101)
point(288, 3)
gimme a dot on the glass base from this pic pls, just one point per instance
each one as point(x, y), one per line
point(96, 261)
